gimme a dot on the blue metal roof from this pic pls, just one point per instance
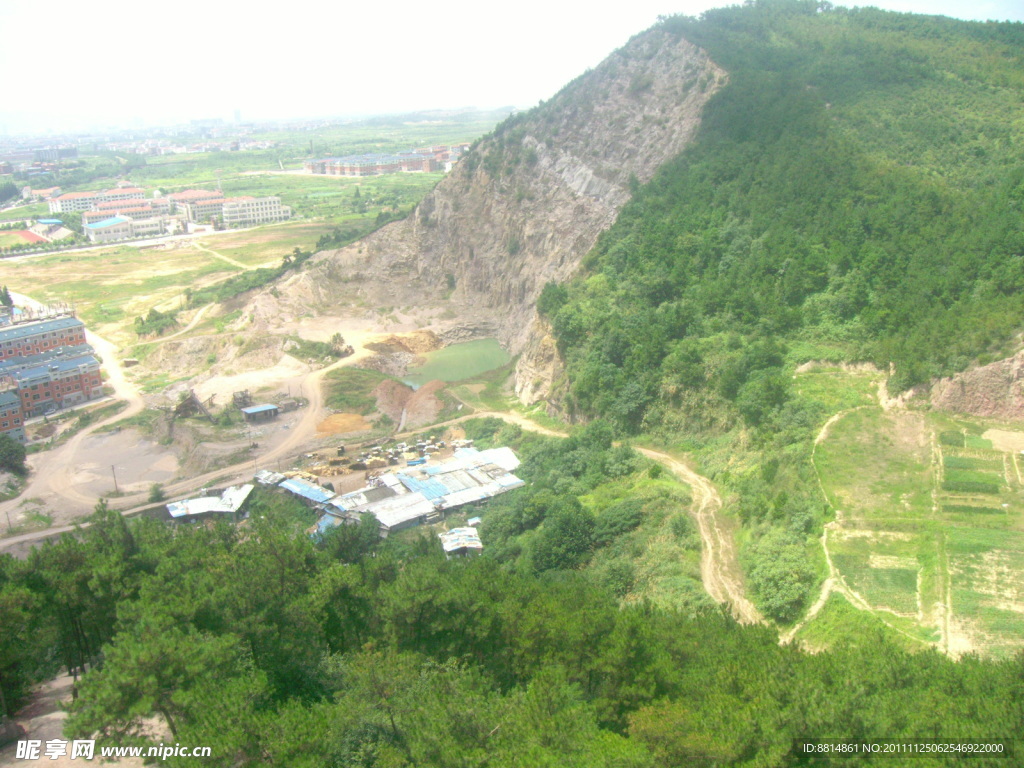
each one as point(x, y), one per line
point(57, 365)
point(9, 398)
point(431, 489)
point(306, 490)
point(259, 409)
point(50, 221)
point(31, 361)
point(112, 221)
point(25, 330)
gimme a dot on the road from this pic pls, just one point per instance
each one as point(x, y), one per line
point(719, 565)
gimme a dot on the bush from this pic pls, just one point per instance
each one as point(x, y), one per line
point(12, 455)
point(780, 574)
point(156, 493)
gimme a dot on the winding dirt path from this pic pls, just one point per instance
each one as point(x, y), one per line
point(835, 582)
point(164, 339)
point(719, 565)
point(222, 257)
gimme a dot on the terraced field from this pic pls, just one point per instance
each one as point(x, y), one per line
point(929, 531)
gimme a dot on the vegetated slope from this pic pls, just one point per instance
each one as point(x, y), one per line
point(857, 186)
point(854, 194)
point(272, 649)
point(527, 202)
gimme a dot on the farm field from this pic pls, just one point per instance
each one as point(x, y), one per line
point(929, 530)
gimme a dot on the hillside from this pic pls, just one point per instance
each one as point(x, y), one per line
point(724, 200)
point(524, 207)
point(853, 195)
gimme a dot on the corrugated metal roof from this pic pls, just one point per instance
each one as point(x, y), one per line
point(401, 509)
point(460, 538)
point(307, 490)
point(32, 361)
point(266, 477)
point(23, 330)
point(503, 457)
point(429, 487)
point(56, 365)
point(229, 501)
point(259, 408)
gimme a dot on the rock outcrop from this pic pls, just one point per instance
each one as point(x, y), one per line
point(995, 390)
point(523, 208)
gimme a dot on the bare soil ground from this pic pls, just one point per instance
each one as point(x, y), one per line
point(137, 462)
point(43, 719)
point(342, 423)
point(1005, 440)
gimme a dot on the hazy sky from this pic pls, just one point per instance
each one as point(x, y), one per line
point(66, 65)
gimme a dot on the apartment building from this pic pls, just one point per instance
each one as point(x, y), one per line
point(59, 383)
point(75, 202)
point(40, 336)
point(11, 419)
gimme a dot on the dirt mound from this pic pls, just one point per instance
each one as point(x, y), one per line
point(392, 397)
point(424, 406)
point(995, 390)
point(417, 342)
point(342, 423)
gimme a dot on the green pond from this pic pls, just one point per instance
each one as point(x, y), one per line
point(458, 361)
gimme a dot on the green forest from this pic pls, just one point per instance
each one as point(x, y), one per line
point(275, 649)
point(856, 187)
point(855, 194)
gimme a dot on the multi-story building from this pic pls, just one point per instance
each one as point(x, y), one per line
point(40, 336)
point(236, 211)
point(244, 211)
point(124, 227)
point(109, 229)
point(73, 202)
point(201, 209)
point(177, 199)
point(60, 383)
point(158, 204)
point(12, 422)
point(12, 364)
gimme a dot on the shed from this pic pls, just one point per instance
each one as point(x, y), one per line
point(258, 413)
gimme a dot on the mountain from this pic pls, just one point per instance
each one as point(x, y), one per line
point(525, 205)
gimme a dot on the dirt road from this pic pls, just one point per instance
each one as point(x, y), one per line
point(51, 482)
point(719, 565)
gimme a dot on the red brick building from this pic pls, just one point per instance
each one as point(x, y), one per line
point(37, 337)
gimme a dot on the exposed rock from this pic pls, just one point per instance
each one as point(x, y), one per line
point(391, 398)
point(995, 390)
point(537, 371)
point(522, 209)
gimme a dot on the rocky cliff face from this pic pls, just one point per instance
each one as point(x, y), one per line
point(522, 208)
point(995, 390)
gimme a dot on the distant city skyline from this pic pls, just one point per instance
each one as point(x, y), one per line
point(82, 67)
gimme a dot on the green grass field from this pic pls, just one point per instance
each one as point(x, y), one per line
point(11, 239)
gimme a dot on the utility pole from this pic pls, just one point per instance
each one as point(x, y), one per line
point(115, 478)
point(9, 528)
